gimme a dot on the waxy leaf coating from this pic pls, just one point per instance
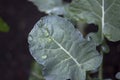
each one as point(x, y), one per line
point(104, 13)
point(62, 50)
point(50, 6)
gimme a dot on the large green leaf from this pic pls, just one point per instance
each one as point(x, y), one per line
point(3, 26)
point(50, 6)
point(62, 50)
point(104, 13)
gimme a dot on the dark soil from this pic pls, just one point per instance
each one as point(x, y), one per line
point(15, 59)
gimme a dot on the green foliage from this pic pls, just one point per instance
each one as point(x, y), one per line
point(61, 49)
point(103, 13)
point(50, 6)
point(3, 26)
point(58, 46)
point(36, 73)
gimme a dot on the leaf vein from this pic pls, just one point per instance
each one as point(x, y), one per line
point(110, 6)
point(66, 52)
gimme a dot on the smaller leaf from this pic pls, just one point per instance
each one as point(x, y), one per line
point(50, 6)
point(3, 26)
point(104, 13)
point(36, 73)
point(117, 75)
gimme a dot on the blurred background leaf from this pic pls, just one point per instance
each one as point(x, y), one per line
point(118, 76)
point(51, 6)
point(36, 72)
point(3, 26)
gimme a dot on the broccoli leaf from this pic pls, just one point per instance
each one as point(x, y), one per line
point(36, 72)
point(62, 50)
point(50, 6)
point(104, 13)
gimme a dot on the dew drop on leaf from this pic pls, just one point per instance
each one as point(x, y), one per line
point(44, 56)
point(49, 40)
point(30, 38)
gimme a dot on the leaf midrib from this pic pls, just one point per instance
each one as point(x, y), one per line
point(105, 11)
point(103, 15)
point(67, 52)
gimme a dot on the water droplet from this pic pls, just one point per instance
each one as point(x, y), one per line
point(30, 38)
point(44, 56)
point(46, 34)
point(49, 40)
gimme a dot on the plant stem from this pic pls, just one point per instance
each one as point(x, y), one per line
point(100, 76)
point(100, 73)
